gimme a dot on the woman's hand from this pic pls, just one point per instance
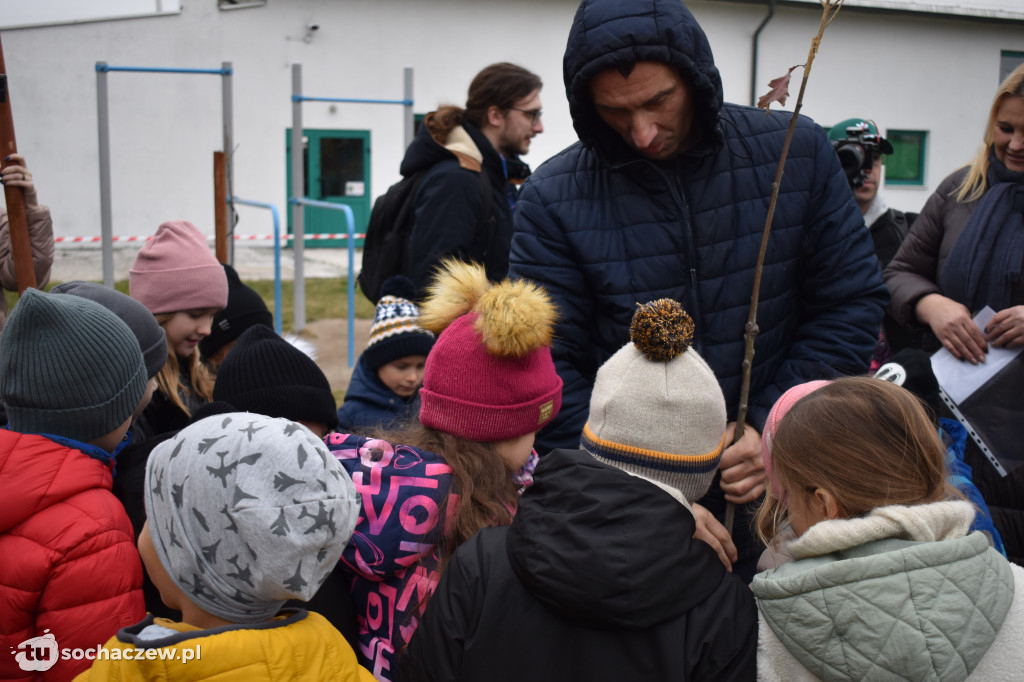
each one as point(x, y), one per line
point(1006, 328)
point(951, 322)
point(17, 175)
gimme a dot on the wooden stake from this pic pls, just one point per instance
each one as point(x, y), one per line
point(220, 205)
point(21, 246)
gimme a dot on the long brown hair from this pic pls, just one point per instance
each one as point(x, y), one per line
point(487, 494)
point(975, 183)
point(168, 379)
point(868, 442)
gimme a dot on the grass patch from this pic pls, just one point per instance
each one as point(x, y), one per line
point(326, 298)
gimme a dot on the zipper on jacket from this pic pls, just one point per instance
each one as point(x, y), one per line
point(693, 305)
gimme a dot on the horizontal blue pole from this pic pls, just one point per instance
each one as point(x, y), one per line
point(350, 219)
point(100, 66)
point(350, 100)
point(277, 255)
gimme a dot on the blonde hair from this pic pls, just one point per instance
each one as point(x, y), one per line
point(975, 183)
point(168, 378)
point(868, 442)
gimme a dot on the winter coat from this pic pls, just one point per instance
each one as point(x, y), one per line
point(297, 645)
point(887, 234)
point(40, 236)
point(68, 563)
point(598, 578)
point(914, 273)
point(162, 415)
point(602, 229)
point(369, 403)
point(902, 594)
point(448, 203)
point(393, 554)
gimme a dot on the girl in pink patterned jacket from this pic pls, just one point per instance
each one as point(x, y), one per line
point(489, 385)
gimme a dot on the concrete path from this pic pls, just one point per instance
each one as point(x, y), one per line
point(251, 262)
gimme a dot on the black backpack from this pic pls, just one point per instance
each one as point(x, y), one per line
point(386, 247)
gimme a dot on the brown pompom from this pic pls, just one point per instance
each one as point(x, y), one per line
point(661, 329)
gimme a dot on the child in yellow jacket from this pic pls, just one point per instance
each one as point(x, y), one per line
point(244, 512)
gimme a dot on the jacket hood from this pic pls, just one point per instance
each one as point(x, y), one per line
point(856, 612)
point(608, 33)
point(466, 144)
point(37, 473)
point(366, 386)
point(602, 547)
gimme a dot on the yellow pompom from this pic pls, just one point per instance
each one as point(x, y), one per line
point(515, 318)
point(661, 329)
point(452, 293)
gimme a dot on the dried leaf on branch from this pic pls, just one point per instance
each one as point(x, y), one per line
point(779, 90)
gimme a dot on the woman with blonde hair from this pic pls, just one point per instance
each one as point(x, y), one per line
point(938, 279)
point(964, 252)
point(885, 581)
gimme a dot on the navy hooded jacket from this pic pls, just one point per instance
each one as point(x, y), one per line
point(602, 228)
point(369, 404)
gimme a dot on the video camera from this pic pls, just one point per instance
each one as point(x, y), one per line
point(857, 153)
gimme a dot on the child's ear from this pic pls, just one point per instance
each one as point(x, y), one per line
point(827, 505)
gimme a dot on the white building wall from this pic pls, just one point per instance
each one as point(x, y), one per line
point(906, 71)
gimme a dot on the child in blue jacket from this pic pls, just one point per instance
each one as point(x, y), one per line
point(386, 382)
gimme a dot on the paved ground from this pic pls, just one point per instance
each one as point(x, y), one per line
point(252, 262)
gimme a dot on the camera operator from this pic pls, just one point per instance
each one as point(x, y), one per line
point(860, 149)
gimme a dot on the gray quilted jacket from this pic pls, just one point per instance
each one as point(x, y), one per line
point(918, 601)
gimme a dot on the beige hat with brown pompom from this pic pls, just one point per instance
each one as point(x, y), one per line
point(657, 410)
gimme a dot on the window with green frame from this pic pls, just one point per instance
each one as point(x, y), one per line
point(1008, 61)
point(905, 166)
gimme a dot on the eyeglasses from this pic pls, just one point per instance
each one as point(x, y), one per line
point(534, 114)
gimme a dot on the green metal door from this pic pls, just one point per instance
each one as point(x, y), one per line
point(337, 171)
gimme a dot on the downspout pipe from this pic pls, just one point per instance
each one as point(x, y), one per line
point(753, 58)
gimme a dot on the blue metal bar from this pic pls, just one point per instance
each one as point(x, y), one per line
point(349, 100)
point(350, 219)
point(101, 66)
point(277, 255)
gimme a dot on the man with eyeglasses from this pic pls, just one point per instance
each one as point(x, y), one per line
point(471, 171)
point(665, 195)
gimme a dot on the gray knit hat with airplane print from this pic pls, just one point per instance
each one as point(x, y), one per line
point(246, 512)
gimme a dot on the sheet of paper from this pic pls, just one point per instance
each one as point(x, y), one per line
point(959, 378)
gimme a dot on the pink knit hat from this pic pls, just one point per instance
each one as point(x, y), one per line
point(489, 376)
point(778, 411)
point(176, 270)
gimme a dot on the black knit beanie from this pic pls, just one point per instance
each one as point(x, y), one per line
point(68, 367)
point(395, 331)
point(151, 336)
point(266, 375)
point(245, 308)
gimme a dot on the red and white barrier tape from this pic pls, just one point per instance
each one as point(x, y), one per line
point(238, 238)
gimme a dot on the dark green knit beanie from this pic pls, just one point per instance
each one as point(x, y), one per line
point(68, 367)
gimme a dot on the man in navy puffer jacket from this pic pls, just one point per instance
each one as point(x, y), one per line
point(665, 195)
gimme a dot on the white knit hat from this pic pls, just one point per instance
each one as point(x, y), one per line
point(656, 409)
